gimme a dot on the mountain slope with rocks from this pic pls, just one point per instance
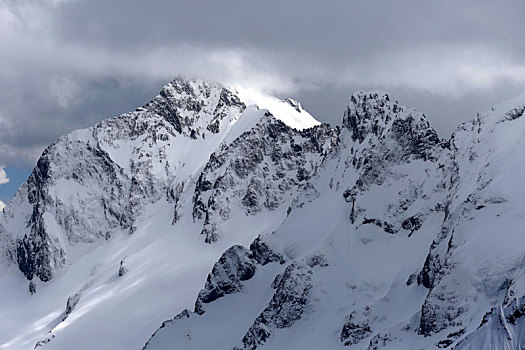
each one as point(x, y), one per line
point(235, 227)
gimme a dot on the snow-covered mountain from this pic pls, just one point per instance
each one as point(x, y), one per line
point(234, 227)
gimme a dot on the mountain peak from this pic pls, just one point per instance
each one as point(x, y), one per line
point(289, 111)
point(193, 106)
point(369, 112)
point(374, 113)
point(188, 103)
point(183, 85)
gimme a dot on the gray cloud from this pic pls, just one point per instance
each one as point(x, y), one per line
point(67, 64)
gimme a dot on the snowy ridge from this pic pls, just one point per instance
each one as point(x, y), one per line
point(88, 207)
point(288, 111)
point(262, 228)
point(427, 194)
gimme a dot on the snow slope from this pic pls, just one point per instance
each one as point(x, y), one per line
point(262, 228)
point(124, 191)
point(373, 264)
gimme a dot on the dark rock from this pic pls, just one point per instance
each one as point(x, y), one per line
point(412, 224)
point(42, 343)
point(286, 307)
point(72, 302)
point(444, 343)
point(214, 127)
point(387, 227)
point(380, 340)
point(32, 287)
point(123, 268)
point(263, 254)
point(251, 198)
point(317, 260)
point(411, 279)
point(354, 331)
point(234, 266)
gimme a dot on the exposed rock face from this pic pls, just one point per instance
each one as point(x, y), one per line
point(263, 254)
point(263, 170)
point(380, 341)
point(113, 170)
point(123, 268)
point(292, 291)
point(386, 134)
point(387, 146)
point(374, 115)
point(72, 302)
point(354, 331)
point(235, 266)
point(37, 252)
point(501, 328)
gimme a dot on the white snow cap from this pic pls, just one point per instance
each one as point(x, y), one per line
point(288, 111)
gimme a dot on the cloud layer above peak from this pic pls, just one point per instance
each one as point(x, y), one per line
point(68, 64)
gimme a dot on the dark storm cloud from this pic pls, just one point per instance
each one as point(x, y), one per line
point(67, 64)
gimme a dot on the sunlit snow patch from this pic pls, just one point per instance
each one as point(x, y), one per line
point(288, 111)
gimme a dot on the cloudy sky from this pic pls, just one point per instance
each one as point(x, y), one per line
point(66, 64)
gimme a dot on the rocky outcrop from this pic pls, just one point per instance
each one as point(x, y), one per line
point(292, 291)
point(355, 330)
point(263, 170)
point(501, 327)
point(373, 115)
point(386, 145)
point(236, 265)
